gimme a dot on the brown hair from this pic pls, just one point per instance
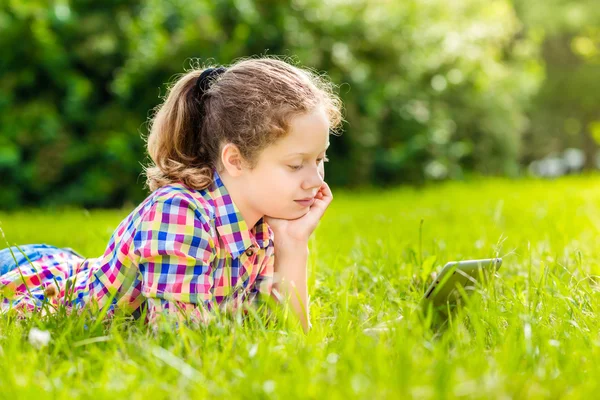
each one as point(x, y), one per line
point(249, 105)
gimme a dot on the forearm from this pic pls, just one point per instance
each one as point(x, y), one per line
point(291, 279)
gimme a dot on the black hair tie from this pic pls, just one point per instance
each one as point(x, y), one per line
point(206, 77)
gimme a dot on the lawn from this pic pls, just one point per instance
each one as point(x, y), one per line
point(534, 333)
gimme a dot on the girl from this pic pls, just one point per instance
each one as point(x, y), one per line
point(237, 189)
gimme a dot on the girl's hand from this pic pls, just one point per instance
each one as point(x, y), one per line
point(297, 231)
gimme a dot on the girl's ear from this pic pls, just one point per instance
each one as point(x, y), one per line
point(232, 159)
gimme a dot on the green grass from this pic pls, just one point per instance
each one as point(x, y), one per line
point(533, 334)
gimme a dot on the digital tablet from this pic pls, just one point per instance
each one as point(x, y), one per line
point(465, 274)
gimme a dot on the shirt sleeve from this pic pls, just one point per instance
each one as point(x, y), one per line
point(176, 253)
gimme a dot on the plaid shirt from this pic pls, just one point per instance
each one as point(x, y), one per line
point(180, 251)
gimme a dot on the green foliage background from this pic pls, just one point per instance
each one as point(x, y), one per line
point(432, 90)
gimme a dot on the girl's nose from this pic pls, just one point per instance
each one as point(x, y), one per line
point(316, 179)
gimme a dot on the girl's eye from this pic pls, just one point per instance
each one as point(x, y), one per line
point(297, 167)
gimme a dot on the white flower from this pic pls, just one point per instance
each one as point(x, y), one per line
point(38, 338)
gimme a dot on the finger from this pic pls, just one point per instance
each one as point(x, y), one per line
point(319, 194)
point(321, 204)
point(314, 215)
point(326, 191)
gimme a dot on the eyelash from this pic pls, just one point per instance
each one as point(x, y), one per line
point(297, 167)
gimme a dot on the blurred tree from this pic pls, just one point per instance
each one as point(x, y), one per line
point(431, 89)
point(65, 137)
point(566, 111)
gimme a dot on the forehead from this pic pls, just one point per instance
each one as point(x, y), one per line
point(308, 133)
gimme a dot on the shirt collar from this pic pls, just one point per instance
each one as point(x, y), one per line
point(230, 224)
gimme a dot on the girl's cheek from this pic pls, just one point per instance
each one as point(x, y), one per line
point(322, 170)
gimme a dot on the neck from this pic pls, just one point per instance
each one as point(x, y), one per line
point(236, 192)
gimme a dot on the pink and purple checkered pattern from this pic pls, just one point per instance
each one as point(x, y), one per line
point(180, 250)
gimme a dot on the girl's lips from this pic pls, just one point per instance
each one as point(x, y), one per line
point(305, 203)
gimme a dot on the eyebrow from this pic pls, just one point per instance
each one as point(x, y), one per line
point(306, 154)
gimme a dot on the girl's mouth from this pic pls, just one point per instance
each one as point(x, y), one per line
point(305, 202)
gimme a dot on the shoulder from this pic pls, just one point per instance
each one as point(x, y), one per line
point(175, 219)
point(177, 200)
point(169, 215)
point(177, 213)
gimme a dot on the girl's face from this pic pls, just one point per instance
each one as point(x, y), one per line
point(290, 172)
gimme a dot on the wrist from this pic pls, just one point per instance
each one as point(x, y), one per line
point(291, 247)
point(283, 250)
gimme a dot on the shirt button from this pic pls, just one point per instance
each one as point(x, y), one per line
point(250, 251)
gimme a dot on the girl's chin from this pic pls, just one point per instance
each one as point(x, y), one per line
point(302, 213)
point(291, 215)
